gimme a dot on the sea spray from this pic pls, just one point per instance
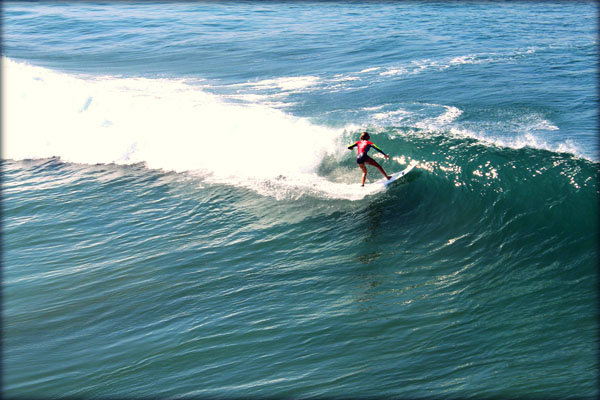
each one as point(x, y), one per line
point(167, 124)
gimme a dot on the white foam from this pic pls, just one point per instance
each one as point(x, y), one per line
point(366, 70)
point(392, 71)
point(289, 84)
point(259, 99)
point(374, 108)
point(299, 185)
point(528, 139)
point(418, 66)
point(389, 114)
point(451, 114)
point(344, 78)
point(415, 67)
point(469, 59)
point(166, 124)
point(443, 63)
point(440, 121)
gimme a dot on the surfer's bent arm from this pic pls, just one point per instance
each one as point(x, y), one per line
point(352, 146)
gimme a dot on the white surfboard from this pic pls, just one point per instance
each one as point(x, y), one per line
point(396, 176)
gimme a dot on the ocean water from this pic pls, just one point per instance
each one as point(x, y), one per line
point(181, 217)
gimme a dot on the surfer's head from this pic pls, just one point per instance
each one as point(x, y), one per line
point(365, 136)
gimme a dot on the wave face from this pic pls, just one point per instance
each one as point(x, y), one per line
point(182, 218)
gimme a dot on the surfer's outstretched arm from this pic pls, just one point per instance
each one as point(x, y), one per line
point(381, 151)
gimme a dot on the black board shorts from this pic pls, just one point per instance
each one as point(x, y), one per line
point(362, 158)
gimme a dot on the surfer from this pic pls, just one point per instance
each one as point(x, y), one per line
point(363, 147)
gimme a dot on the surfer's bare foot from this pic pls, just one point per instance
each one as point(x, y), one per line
point(388, 177)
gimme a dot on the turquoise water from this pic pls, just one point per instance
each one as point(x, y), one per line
point(181, 217)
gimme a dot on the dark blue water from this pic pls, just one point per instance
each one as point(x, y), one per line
point(181, 217)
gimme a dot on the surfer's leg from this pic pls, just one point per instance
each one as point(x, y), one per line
point(364, 176)
point(374, 163)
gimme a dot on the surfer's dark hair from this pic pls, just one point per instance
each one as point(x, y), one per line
point(365, 136)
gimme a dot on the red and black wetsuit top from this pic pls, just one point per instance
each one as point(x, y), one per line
point(363, 148)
